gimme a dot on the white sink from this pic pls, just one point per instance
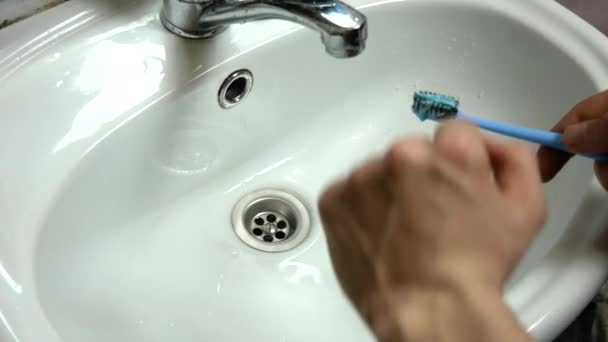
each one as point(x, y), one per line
point(119, 170)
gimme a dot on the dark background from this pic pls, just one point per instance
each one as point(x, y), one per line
point(594, 11)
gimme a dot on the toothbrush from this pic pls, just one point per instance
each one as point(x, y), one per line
point(438, 107)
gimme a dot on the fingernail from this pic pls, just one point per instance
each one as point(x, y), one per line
point(574, 135)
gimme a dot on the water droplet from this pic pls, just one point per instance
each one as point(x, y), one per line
point(171, 324)
point(450, 48)
point(454, 40)
point(235, 253)
point(220, 281)
point(481, 94)
point(140, 322)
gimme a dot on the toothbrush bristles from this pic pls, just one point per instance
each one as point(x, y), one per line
point(434, 106)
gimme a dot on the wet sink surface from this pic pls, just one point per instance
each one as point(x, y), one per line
point(137, 171)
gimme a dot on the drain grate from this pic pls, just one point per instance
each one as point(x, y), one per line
point(271, 220)
point(270, 226)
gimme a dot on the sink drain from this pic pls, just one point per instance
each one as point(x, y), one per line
point(271, 220)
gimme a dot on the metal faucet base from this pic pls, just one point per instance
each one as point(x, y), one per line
point(198, 34)
point(343, 29)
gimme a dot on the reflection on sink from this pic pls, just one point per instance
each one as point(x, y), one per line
point(140, 167)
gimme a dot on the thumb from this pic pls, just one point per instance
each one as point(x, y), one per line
point(589, 136)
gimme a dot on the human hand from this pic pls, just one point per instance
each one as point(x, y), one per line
point(424, 239)
point(585, 130)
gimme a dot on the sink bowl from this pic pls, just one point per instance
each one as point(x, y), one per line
point(120, 172)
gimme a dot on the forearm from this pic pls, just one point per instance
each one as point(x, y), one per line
point(454, 316)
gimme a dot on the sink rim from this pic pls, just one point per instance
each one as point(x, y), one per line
point(579, 40)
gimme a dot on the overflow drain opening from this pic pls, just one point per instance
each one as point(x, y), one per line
point(235, 88)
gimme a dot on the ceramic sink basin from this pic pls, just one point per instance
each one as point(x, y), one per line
point(119, 171)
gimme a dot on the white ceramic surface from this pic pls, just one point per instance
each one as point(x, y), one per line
point(14, 9)
point(118, 169)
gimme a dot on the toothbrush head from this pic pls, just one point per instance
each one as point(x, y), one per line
point(434, 106)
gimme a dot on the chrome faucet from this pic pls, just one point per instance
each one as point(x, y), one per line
point(343, 29)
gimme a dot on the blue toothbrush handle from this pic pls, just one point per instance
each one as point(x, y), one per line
point(538, 136)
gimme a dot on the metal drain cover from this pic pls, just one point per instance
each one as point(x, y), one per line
point(271, 220)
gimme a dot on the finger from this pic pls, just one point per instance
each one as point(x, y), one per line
point(406, 161)
point(346, 245)
point(331, 208)
point(590, 108)
point(551, 161)
point(463, 144)
point(601, 171)
point(368, 194)
point(517, 174)
point(340, 225)
point(588, 136)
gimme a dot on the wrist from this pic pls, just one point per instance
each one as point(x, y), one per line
point(452, 313)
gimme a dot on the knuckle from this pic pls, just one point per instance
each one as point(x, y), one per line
point(324, 206)
point(464, 146)
point(357, 179)
point(535, 211)
point(453, 140)
point(543, 213)
point(521, 153)
point(581, 111)
point(407, 154)
point(458, 144)
point(457, 128)
point(579, 108)
point(458, 137)
point(328, 200)
point(522, 149)
point(539, 211)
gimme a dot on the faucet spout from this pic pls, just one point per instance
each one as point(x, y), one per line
point(343, 29)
